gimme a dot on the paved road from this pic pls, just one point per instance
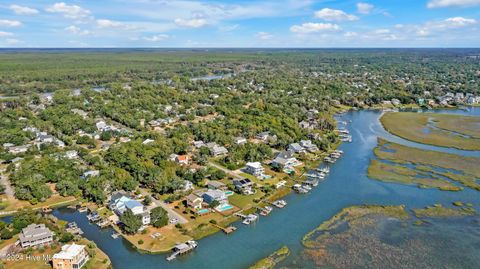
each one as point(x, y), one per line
point(229, 172)
point(171, 213)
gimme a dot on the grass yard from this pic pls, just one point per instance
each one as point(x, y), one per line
point(169, 237)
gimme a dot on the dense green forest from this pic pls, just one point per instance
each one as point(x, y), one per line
point(124, 113)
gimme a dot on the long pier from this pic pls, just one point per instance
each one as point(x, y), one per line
point(227, 230)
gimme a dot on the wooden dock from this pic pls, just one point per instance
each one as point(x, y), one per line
point(227, 230)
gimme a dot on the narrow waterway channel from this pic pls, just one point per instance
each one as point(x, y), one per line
point(346, 185)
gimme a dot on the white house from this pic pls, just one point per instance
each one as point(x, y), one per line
point(240, 140)
point(255, 168)
point(215, 195)
point(193, 201)
point(121, 204)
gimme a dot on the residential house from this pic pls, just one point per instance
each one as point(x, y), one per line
point(266, 137)
point(255, 168)
point(216, 185)
point(35, 235)
point(172, 157)
point(215, 195)
point(198, 144)
point(120, 203)
point(18, 149)
point(182, 159)
point(285, 159)
point(80, 112)
point(147, 141)
point(243, 185)
point(193, 201)
point(309, 146)
point(216, 150)
point(240, 140)
point(187, 185)
point(472, 100)
point(102, 126)
point(91, 173)
point(71, 154)
point(396, 102)
point(295, 147)
point(70, 257)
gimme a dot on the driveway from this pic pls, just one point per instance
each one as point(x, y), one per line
point(227, 171)
point(171, 213)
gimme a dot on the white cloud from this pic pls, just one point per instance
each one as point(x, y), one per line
point(329, 14)
point(264, 36)
point(69, 11)
point(22, 10)
point(311, 27)
point(460, 22)
point(350, 34)
point(12, 41)
point(443, 25)
point(156, 38)
point(452, 3)
point(364, 8)
point(10, 23)
point(104, 23)
point(228, 28)
point(4, 34)
point(76, 30)
point(191, 23)
point(383, 35)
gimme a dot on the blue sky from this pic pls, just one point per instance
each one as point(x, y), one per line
point(236, 23)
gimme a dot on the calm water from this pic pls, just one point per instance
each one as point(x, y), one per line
point(346, 185)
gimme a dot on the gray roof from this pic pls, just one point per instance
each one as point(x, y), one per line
point(216, 184)
point(35, 232)
point(285, 155)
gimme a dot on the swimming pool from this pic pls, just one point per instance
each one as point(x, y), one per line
point(224, 207)
point(229, 193)
point(203, 211)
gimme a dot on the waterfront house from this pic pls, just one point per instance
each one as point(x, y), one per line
point(193, 201)
point(35, 235)
point(396, 102)
point(309, 146)
point(243, 185)
point(240, 140)
point(215, 195)
point(285, 159)
point(216, 185)
point(255, 168)
point(295, 147)
point(70, 257)
point(120, 203)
